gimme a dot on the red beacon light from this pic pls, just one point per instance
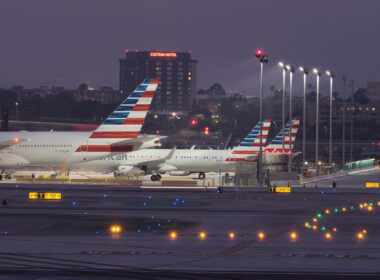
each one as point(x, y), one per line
point(193, 122)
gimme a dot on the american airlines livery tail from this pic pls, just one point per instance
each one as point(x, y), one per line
point(277, 145)
point(119, 133)
point(251, 143)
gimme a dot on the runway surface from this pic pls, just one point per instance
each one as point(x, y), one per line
point(71, 237)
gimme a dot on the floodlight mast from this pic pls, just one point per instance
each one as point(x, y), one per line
point(263, 58)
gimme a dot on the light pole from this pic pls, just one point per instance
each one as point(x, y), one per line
point(291, 72)
point(331, 75)
point(344, 124)
point(352, 120)
point(263, 58)
point(283, 103)
point(16, 111)
point(305, 73)
point(317, 120)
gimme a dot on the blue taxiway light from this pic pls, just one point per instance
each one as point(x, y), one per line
point(105, 195)
point(74, 203)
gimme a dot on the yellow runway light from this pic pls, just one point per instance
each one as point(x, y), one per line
point(378, 203)
point(328, 235)
point(365, 204)
point(173, 235)
point(202, 235)
point(344, 209)
point(369, 208)
point(327, 211)
point(115, 229)
point(335, 229)
point(315, 227)
point(231, 235)
point(293, 235)
point(364, 231)
point(315, 220)
point(261, 235)
point(360, 236)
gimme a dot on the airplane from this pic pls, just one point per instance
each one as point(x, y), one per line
point(156, 161)
point(119, 133)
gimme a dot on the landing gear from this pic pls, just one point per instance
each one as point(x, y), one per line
point(201, 175)
point(155, 177)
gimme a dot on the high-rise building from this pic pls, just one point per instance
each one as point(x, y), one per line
point(176, 72)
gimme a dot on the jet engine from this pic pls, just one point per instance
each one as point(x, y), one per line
point(129, 169)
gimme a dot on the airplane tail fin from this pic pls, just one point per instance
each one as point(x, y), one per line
point(123, 125)
point(276, 146)
point(251, 143)
point(126, 121)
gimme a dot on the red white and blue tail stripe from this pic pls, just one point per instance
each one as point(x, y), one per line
point(124, 123)
point(251, 143)
point(276, 146)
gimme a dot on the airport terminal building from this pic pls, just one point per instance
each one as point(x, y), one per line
point(175, 70)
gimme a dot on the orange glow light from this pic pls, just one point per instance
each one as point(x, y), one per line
point(293, 235)
point(173, 235)
point(261, 235)
point(360, 236)
point(115, 229)
point(163, 54)
point(335, 229)
point(202, 235)
point(364, 231)
point(344, 209)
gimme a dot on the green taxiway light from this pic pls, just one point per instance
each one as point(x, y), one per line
point(371, 203)
point(319, 215)
point(309, 226)
point(336, 210)
point(323, 228)
point(352, 207)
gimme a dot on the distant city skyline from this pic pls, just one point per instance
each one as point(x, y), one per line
point(50, 42)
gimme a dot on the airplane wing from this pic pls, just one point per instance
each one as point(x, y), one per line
point(153, 163)
point(158, 164)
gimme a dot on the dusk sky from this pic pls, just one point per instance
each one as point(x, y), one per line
point(48, 42)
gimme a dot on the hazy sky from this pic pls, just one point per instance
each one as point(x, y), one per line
point(49, 42)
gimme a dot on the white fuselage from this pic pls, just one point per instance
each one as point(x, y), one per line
point(47, 149)
point(182, 160)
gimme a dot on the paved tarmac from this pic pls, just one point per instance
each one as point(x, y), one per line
point(71, 238)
